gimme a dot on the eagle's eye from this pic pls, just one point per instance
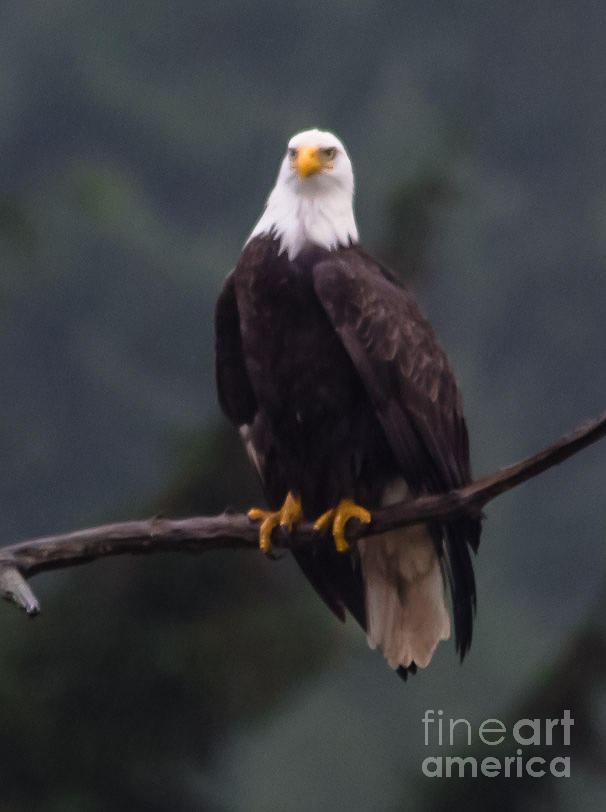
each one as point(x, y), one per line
point(329, 153)
point(292, 153)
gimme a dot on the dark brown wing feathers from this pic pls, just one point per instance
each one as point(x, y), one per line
point(407, 377)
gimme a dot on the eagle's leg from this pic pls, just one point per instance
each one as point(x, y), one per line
point(337, 518)
point(289, 514)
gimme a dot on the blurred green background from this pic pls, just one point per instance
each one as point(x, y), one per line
point(138, 142)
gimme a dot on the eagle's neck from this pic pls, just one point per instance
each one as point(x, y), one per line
point(319, 214)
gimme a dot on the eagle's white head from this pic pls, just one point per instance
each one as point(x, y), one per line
point(312, 201)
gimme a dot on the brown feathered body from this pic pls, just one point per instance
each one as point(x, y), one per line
point(340, 390)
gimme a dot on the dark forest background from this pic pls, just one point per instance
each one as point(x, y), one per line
point(138, 142)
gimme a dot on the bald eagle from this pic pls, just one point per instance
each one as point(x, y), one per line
point(346, 402)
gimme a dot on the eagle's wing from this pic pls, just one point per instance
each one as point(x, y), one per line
point(236, 396)
point(412, 388)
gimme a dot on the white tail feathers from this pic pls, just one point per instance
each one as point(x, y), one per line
point(405, 606)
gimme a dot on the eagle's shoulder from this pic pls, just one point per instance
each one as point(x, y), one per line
point(258, 251)
point(364, 296)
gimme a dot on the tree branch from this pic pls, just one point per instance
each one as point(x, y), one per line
point(201, 533)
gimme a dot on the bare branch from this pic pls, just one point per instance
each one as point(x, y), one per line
point(201, 533)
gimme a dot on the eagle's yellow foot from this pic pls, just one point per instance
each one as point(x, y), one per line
point(289, 514)
point(337, 518)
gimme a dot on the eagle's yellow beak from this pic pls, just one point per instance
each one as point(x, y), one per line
point(308, 161)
